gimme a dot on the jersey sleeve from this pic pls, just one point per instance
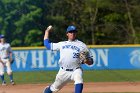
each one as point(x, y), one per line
point(9, 48)
point(55, 46)
point(50, 45)
point(47, 44)
point(84, 47)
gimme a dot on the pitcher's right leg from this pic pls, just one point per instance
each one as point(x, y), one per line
point(56, 86)
point(47, 90)
point(62, 78)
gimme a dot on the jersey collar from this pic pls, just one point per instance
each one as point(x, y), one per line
point(73, 40)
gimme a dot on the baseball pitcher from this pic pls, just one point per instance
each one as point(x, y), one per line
point(5, 60)
point(73, 53)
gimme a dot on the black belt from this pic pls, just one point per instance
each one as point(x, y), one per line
point(69, 69)
point(6, 58)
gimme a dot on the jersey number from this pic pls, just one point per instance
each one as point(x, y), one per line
point(75, 55)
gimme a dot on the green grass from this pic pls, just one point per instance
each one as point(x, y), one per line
point(33, 77)
point(89, 76)
point(112, 76)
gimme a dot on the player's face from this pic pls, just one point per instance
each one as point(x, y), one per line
point(71, 35)
point(2, 40)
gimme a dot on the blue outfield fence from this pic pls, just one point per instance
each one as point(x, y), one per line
point(107, 57)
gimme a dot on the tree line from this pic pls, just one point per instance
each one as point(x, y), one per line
point(99, 22)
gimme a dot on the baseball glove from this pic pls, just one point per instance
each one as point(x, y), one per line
point(11, 60)
point(85, 58)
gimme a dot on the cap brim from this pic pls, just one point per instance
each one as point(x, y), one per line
point(72, 31)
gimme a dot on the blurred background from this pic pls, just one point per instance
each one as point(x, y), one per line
point(99, 22)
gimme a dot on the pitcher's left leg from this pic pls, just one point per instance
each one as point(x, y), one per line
point(78, 88)
point(77, 76)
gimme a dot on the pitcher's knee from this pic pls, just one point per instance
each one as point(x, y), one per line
point(78, 79)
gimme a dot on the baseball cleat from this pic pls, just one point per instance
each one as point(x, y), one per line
point(3, 83)
point(44, 91)
point(12, 82)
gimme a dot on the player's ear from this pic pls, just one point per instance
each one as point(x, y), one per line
point(67, 34)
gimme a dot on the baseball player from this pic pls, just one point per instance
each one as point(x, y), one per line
point(69, 62)
point(5, 60)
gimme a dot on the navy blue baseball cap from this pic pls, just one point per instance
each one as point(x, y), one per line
point(71, 28)
point(2, 36)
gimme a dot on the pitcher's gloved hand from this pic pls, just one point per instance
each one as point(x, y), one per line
point(85, 58)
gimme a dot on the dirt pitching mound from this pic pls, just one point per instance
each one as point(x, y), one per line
point(69, 88)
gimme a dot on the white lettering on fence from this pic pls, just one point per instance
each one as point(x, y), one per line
point(21, 58)
point(51, 62)
point(102, 55)
point(47, 58)
point(37, 56)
